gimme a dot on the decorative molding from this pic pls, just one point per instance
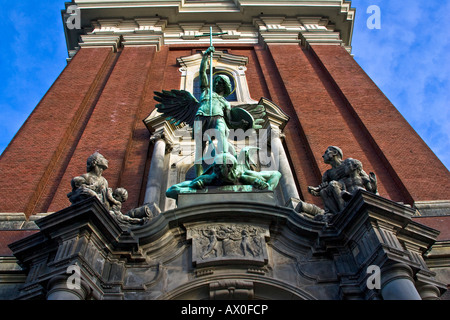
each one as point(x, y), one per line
point(339, 7)
point(433, 208)
point(278, 29)
point(179, 21)
point(18, 221)
point(157, 32)
point(119, 32)
point(303, 30)
point(98, 41)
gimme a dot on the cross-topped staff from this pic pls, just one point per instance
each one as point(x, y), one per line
point(210, 35)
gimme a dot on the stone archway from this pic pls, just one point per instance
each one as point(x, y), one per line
point(235, 287)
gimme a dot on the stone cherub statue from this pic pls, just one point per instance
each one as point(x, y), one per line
point(121, 195)
point(226, 170)
point(339, 184)
point(93, 184)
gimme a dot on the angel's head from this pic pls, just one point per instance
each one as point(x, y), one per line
point(222, 84)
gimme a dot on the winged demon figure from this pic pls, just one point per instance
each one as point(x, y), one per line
point(227, 170)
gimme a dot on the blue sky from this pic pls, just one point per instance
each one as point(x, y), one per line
point(408, 58)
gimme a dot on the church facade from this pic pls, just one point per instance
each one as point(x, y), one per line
point(102, 198)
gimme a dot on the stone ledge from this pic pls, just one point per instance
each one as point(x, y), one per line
point(433, 208)
point(225, 194)
point(19, 221)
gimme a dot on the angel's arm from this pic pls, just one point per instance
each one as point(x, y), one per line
point(204, 83)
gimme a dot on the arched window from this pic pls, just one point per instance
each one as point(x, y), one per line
point(231, 97)
point(233, 66)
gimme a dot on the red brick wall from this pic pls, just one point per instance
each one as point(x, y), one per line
point(408, 159)
point(134, 175)
point(9, 236)
point(441, 223)
point(34, 156)
point(304, 167)
point(101, 98)
point(112, 126)
point(324, 119)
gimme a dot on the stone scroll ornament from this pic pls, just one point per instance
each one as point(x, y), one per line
point(93, 184)
point(339, 184)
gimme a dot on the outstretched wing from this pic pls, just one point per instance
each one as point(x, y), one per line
point(257, 111)
point(177, 105)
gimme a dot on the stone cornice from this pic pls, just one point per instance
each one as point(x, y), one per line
point(157, 32)
point(245, 21)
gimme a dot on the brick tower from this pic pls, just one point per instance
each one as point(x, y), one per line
point(293, 58)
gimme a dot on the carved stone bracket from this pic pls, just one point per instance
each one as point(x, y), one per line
point(83, 236)
point(231, 289)
point(381, 233)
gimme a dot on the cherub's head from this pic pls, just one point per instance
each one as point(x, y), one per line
point(120, 194)
point(356, 166)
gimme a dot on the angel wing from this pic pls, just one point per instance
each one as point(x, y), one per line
point(177, 105)
point(257, 111)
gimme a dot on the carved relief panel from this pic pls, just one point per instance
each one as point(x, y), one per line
point(224, 243)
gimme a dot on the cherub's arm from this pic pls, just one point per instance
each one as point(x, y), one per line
point(109, 196)
point(77, 182)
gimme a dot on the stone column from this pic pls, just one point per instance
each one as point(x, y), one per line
point(428, 292)
point(287, 181)
point(155, 174)
point(58, 289)
point(397, 283)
